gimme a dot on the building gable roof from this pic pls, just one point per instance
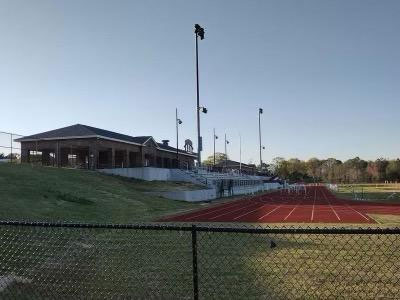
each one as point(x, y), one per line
point(84, 131)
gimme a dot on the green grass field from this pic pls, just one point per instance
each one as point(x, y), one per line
point(388, 193)
point(42, 193)
point(102, 263)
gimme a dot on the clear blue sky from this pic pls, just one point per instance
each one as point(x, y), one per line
point(327, 73)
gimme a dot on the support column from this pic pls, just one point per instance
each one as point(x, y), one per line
point(112, 158)
point(93, 156)
point(127, 162)
point(142, 157)
point(45, 157)
point(58, 159)
point(64, 157)
point(25, 155)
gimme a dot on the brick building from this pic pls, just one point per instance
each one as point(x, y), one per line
point(87, 147)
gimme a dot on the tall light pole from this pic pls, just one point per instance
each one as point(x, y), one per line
point(199, 32)
point(177, 122)
point(226, 154)
point(215, 138)
point(260, 111)
point(240, 153)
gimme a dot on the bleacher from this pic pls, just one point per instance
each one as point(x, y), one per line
point(211, 178)
point(228, 183)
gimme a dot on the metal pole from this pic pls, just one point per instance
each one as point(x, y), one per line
point(11, 154)
point(199, 146)
point(214, 147)
point(226, 155)
point(194, 257)
point(177, 138)
point(259, 133)
point(240, 155)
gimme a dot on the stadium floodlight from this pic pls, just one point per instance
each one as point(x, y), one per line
point(203, 109)
point(199, 32)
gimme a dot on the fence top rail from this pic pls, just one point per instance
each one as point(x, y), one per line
point(10, 133)
point(214, 228)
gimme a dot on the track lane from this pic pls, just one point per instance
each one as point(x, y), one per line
point(316, 205)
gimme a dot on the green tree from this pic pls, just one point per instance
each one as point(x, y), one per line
point(393, 170)
point(313, 167)
point(219, 157)
point(376, 170)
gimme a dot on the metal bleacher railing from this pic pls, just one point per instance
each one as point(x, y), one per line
point(167, 261)
point(212, 178)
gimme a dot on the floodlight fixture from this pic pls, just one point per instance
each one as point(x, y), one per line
point(203, 109)
point(199, 31)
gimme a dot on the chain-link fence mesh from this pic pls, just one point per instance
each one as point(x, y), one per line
point(166, 262)
point(10, 150)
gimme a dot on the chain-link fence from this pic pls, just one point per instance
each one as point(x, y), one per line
point(10, 151)
point(195, 262)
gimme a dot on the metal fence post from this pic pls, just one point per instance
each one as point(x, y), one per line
point(194, 254)
point(11, 147)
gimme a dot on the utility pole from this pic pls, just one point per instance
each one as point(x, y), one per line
point(215, 138)
point(11, 147)
point(199, 32)
point(177, 122)
point(240, 153)
point(226, 154)
point(260, 111)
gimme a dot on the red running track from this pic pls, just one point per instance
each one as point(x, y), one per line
point(316, 205)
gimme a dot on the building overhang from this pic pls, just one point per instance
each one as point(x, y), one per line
point(22, 140)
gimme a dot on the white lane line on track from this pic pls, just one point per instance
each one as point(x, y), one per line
point(326, 198)
point(249, 212)
point(214, 210)
point(357, 212)
point(312, 212)
point(272, 211)
point(227, 213)
point(292, 211)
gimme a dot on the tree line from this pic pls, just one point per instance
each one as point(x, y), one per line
point(332, 170)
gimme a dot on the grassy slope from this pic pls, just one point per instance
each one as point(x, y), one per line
point(39, 193)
